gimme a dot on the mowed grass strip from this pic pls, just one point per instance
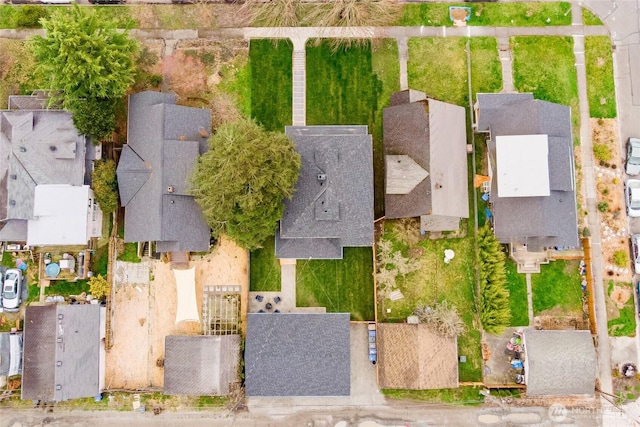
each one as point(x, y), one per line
point(264, 268)
point(557, 286)
point(271, 83)
point(590, 18)
point(517, 285)
point(486, 70)
point(438, 67)
point(525, 14)
point(545, 66)
point(600, 86)
point(342, 286)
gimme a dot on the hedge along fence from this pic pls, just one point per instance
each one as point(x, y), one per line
point(495, 313)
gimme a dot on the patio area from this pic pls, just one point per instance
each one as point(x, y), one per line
point(498, 355)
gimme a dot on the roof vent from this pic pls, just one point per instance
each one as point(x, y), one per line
point(59, 363)
point(170, 189)
point(53, 148)
point(322, 177)
point(58, 387)
point(14, 176)
point(59, 339)
point(23, 149)
point(60, 316)
point(12, 202)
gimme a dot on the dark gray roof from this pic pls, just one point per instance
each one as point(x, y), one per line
point(340, 204)
point(201, 365)
point(14, 230)
point(538, 221)
point(406, 96)
point(37, 147)
point(164, 142)
point(61, 352)
point(297, 354)
point(559, 362)
point(296, 248)
point(433, 134)
point(36, 101)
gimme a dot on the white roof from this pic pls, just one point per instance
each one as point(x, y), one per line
point(522, 167)
point(60, 215)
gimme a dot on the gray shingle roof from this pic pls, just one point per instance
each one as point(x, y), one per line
point(164, 141)
point(538, 221)
point(10, 353)
point(333, 198)
point(433, 134)
point(559, 362)
point(297, 354)
point(201, 365)
point(64, 335)
point(14, 230)
point(37, 147)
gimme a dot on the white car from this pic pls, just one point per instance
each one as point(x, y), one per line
point(11, 289)
point(633, 157)
point(632, 196)
point(635, 256)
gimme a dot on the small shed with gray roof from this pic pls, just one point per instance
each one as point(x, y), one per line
point(297, 354)
point(201, 365)
point(332, 206)
point(63, 352)
point(530, 157)
point(163, 144)
point(425, 147)
point(38, 147)
point(559, 363)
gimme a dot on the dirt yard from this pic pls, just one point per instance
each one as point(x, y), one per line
point(144, 315)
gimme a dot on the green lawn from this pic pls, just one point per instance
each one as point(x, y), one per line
point(545, 66)
point(625, 323)
point(100, 260)
point(271, 83)
point(462, 395)
point(600, 86)
point(517, 285)
point(62, 287)
point(557, 285)
point(436, 281)
point(130, 253)
point(486, 70)
point(342, 286)
point(7, 259)
point(589, 18)
point(264, 269)
point(490, 14)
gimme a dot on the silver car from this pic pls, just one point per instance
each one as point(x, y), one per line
point(12, 289)
point(635, 256)
point(633, 157)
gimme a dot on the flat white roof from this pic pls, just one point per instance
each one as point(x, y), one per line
point(522, 167)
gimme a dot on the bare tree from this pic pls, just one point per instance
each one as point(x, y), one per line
point(443, 318)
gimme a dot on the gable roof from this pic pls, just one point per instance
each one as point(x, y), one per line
point(39, 147)
point(559, 362)
point(414, 357)
point(164, 142)
point(333, 198)
point(61, 352)
point(542, 221)
point(295, 354)
point(201, 365)
point(433, 135)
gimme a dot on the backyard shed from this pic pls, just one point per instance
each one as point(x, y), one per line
point(559, 362)
point(413, 356)
point(201, 365)
point(297, 354)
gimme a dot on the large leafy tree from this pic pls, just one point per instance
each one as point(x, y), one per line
point(241, 182)
point(87, 62)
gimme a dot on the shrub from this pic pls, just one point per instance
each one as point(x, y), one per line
point(603, 206)
point(495, 313)
point(99, 287)
point(29, 16)
point(105, 185)
point(155, 80)
point(443, 318)
point(602, 152)
point(605, 191)
point(620, 258)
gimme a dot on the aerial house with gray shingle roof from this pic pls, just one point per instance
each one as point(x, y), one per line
point(425, 147)
point(297, 354)
point(332, 206)
point(531, 165)
point(64, 352)
point(44, 194)
point(164, 141)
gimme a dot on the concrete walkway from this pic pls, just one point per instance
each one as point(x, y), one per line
point(529, 299)
point(506, 58)
point(403, 57)
point(299, 82)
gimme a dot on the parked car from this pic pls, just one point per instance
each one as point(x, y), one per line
point(633, 156)
point(635, 256)
point(12, 289)
point(632, 196)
